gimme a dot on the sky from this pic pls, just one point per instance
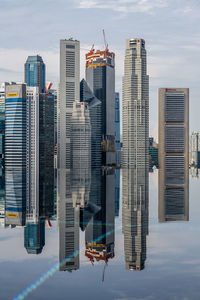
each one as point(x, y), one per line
point(171, 29)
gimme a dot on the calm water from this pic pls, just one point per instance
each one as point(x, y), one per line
point(167, 254)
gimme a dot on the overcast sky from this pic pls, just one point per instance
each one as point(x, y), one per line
point(171, 29)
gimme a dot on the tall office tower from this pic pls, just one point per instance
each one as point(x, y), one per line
point(46, 154)
point(34, 72)
point(117, 130)
point(69, 91)
point(195, 149)
point(32, 154)
point(80, 137)
point(135, 212)
point(117, 191)
point(2, 150)
point(135, 107)
point(68, 216)
point(100, 76)
point(94, 105)
point(173, 154)
point(15, 154)
point(99, 234)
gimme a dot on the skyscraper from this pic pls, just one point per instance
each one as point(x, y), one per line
point(117, 130)
point(69, 91)
point(80, 136)
point(100, 77)
point(173, 154)
point(135, 107)
point(15, 154)
point(35, 72)
point(46, 154)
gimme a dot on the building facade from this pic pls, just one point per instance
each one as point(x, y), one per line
point(135, 107)
point(117, 130)
point(173, 154)
point(100, 77)
point(80, 137)
point(69, 91)
point(15, 154)
point(35, 72)
point(195, 149)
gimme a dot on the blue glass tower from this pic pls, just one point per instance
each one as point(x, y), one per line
point(15, 154)
point(35, 72)
point(34, 236)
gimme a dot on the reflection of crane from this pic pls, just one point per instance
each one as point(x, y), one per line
point(104, 269)
point(105, 43)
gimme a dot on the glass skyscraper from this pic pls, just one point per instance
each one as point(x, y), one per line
point(35, 72)
point(15, 154)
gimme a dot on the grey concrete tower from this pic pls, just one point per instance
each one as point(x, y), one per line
point(135, 107)
point(69, 91)
point(173, 154)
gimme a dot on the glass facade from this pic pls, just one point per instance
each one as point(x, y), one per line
point(35, 72)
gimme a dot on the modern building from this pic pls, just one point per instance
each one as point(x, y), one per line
point(173, 154)
point(46, 154)
point(195, 149)
point(117, 130)
point(135, 217)
point(34, 70)
point(94, 105)
point(34, 236)
point(69, 91)
point(117, 191)
point(135, 107)
point(100, 77)
point(153, 153)
point(80, 137)
point(15, 154)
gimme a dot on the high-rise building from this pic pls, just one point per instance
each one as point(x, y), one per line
point(195, 149)
point(100, 77)
point(34, 236)
point(173, 154)
point(117, 130)
point(15, 154)
point(135, 107)
point(80, 137)
point(94, 105)
point(135, 215)
point(35, 72)
point(69, 91)
point(46, 154)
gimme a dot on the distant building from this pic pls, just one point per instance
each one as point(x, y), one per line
point(15, 154)
point(195, 149)
point(100, 77)
point(153, 153)
point(69, 91)
point(117, 130)
point(94, 105)
point(34, 236)
point(35, 72)
point(80, 136)
point(173, 154)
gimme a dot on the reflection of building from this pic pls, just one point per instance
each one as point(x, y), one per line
point(135, 195)
point(34, 236)
point(80, 136)
point(95, 120)
point(100, 77)
point(69, 91)
point(68, 215)
point(195, 149)
point(35, 72)
point(99, 233)
point(135, 105)
point(153, 153)
point(173, 155)
point(117, 130)
point(15, 154)
point(46, 154)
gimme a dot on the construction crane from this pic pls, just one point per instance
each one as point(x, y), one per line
point(105, 43)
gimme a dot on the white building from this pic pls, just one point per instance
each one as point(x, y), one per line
point(69, 91)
